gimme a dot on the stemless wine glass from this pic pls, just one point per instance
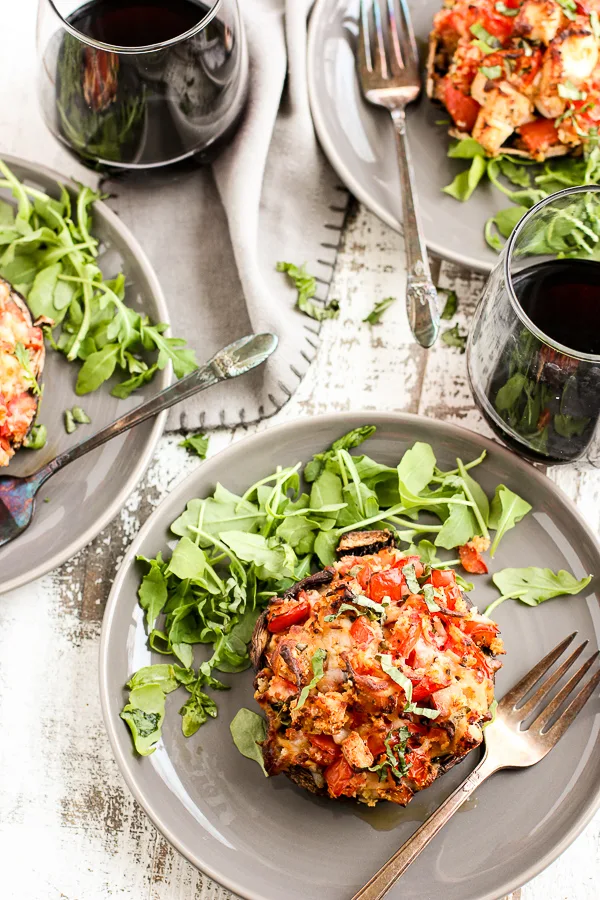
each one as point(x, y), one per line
point(136, 84)
point(534, 346)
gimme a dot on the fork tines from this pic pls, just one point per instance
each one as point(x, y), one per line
point(510, 707)
point(387, 45)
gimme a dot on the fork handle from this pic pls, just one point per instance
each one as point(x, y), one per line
point(421, 295)
point(389, 873)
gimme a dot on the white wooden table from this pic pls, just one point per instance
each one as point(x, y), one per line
point(69, 829)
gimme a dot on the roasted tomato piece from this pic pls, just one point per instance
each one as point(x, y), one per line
point(471, 560)
point(329, 750)
point(420, 770)
point(425, 687)
point(386, 584)
point(340, 778)
point(539, 136)
point(443, 578)
point(463, 109)
point(288, 613)
point(360, 631)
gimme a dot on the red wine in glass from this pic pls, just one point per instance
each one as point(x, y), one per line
point(160, 90)
point(546, 403)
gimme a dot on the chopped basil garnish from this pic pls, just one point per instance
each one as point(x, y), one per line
point(316, 664)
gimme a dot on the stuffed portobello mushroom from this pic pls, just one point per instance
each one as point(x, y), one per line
point(21, 364)
point(376, 675)
point(521, 77)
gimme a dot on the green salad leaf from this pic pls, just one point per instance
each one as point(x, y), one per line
point(374, 317)
point(248, 731)
point(533, 585)
point(306, 285)
point(196, 443)
point(506, 510)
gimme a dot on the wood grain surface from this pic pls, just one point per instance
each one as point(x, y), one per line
point(69, 830)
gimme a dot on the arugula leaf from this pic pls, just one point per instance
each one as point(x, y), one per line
point(454, 337)
point(459, 527)
point(187, 561)
point(316, 664)
point(167, 677)
point(451, 304)
point(415, 469)
point(533, 585)
point(196, 443)
point(506, 510)
point(467, 148)
point(465, 182)
point(306, 285)
point(144, 713)
point(348, 441)
point(152, 592)
point(249, 731)
point(196, 711)
point(374, 317)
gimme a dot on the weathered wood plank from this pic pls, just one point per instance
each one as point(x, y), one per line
point(61, 792)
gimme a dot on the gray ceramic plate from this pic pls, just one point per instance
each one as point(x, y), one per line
point(268, 840)
point(84, 497)
point(359, 139)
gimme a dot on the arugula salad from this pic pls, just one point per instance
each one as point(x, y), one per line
point(236, 552)
point(525, 182)
point(50, 256)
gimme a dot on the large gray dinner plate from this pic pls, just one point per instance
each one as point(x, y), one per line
point(359, 140)
point(84, 497)
point(268, 840)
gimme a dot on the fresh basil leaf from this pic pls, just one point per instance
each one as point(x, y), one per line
point(506, 510)
point(492, 72)
point(410, 576)
point(316, 664)
point(249, 731)
point(421, 711)
point(196, 443)
point(396, 675)
point(429, 595)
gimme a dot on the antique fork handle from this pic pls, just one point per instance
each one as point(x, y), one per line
point(389, 873)
point(421, 295)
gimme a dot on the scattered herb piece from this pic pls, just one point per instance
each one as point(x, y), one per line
point(248, 731)
point(410, 576)
point(454, 337)
point(196, 443)
point(306, 285)
point(22, 354)
point(506, 10)
point(80, 416)
point(506, 510)
point(316, 664)
point(569, 8)
point(70, 423)
point(465, 182)
point(451, 304)
point(395, 755)
point(374, 317)
point(492, 72)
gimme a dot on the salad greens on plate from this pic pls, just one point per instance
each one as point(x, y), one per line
point(236, 552)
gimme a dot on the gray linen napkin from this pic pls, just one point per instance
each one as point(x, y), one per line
point(215, 236)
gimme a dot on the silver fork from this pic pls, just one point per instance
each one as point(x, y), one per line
point(506, 747)
point(388, 68)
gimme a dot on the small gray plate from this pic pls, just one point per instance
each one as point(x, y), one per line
point(267, 839)
point(359, 139)
point(84, 497)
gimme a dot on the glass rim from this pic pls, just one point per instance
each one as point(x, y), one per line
point(145, 48)
point(506, 264)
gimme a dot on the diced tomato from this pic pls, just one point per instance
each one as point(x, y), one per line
point(480, 631)
point(360, 631)
point(328, 747)
point(538, 136)
point(404, 642)
point(463, 109)
point(495, 23)
point(364, 577)
point(386, 584)
point(427, 686)
point(288, 614)
point(411, 560)
point(419, 769)
point(339, 776)
point(471, 560)
point(375, 743)
point(443, 578)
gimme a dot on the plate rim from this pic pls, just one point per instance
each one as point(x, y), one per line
point(354, 185)
point(145, 457)
point(179, 493)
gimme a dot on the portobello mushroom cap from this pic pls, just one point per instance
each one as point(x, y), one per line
point(362, 543)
